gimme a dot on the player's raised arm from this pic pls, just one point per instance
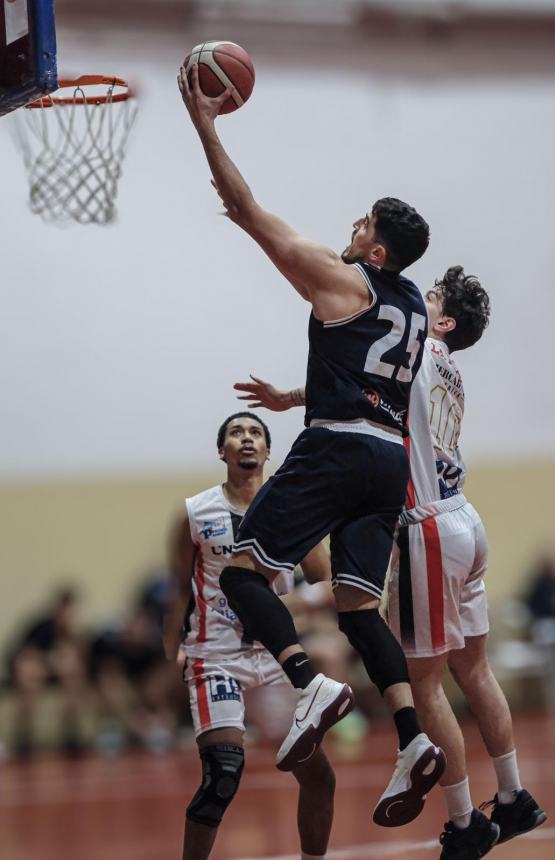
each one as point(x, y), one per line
point(315, 271)
point(181, 559)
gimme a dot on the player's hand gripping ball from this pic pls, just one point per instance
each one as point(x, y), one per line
point(221, 66)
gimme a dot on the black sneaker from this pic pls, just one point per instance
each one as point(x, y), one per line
point(520, 816)
point(469, 843)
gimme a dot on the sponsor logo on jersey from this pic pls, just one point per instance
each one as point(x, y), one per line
point(436, 349)
point(224, 689)
point(374, 398)
point(448, 479)
point(213, 528)
point(379, 403)
point(222, 549)
point(451, 377)
point(226, 613)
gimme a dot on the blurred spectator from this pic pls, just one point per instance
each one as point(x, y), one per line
point(50, 652)
point(134, 684)
point(117, 689)
point(154, 595)
point(540, 598)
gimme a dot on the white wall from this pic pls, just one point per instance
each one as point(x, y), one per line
point(118, 347)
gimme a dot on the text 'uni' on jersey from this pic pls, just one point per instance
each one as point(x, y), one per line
point(213, 627)
point(362, 366)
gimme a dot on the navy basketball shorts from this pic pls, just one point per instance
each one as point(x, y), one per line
point(351, 486)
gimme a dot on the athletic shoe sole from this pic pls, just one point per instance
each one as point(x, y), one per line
point(495, 841)
point(401, 808)
point(541, 816)
point(308, 742)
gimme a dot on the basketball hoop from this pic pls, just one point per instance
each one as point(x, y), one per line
point(73, 146)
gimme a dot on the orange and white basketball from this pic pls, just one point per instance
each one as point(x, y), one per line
point(223, 65)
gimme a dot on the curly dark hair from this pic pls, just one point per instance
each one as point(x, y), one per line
point(463, 298)
point(223, 428)
point(401, 230)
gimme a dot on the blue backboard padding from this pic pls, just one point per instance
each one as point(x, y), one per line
point(45, 45)
point(43, 77)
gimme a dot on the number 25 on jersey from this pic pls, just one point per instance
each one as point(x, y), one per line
point(391, 341)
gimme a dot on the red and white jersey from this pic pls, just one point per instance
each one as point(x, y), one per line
point(435, 416)
point(214, 627)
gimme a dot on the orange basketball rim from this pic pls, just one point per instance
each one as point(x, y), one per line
point(77, 85)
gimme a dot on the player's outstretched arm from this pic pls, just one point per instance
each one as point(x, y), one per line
point(260, 393)
point(203, 110)
point(315, 271)
point(181, 560)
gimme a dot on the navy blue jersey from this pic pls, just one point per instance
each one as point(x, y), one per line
point(363, 366)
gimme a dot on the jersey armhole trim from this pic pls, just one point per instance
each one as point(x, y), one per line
point(351, 317)
point(190, 518)
point(360, 268)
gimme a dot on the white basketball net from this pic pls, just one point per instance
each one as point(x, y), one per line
point(73, 155)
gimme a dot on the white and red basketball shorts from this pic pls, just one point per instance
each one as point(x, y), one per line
point(437, 596)
point(217, 686)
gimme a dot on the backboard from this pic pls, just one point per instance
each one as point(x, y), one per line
point(27, 52)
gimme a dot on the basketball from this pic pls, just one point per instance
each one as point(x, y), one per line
point(222, 65)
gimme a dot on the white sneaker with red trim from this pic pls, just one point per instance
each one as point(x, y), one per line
point(322, 704)
point(419, 766)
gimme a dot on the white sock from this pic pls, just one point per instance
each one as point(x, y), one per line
point(312, 856)
point(508, 779)
point(459, 803)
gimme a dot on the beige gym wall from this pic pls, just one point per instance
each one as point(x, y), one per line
point(104, 535)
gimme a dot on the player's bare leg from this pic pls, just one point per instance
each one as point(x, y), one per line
point(199, 838)
point(472, 672)
point(315, 808)
point(513, 807)
point(436, 715)
point(468, 833)
point(419, 762)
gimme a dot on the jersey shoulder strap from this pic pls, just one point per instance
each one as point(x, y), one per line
point(204, 511)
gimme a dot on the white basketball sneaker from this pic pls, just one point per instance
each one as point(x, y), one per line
point(322, 704)
point(419, 766)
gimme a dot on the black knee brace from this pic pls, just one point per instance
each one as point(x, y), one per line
point(381, 654)
point(264, 616)
point(222, 766)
